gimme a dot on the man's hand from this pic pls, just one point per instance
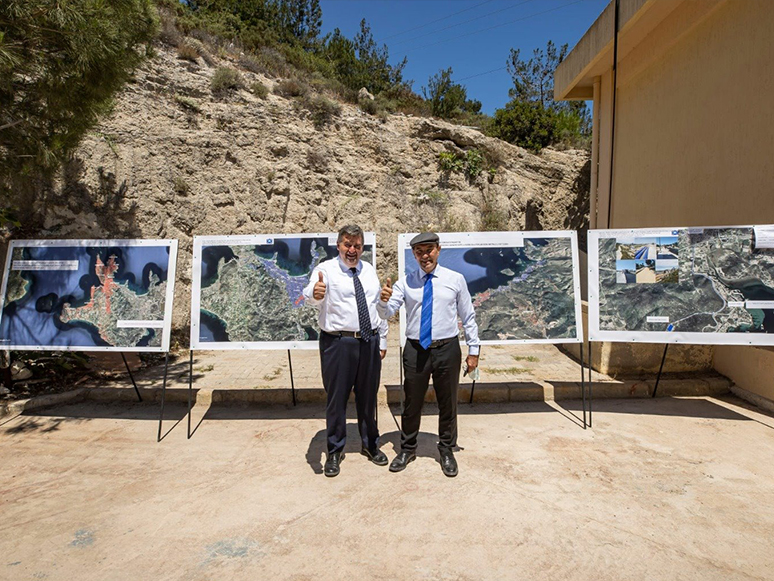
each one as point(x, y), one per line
point(383, 353)
point(472, 362)
point(319, 288)
point(386, 292)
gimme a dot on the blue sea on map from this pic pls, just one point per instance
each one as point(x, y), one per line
point(481, 266)
point(24, 324)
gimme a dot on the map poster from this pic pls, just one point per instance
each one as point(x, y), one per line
point(525, 286)
point(711, 286)
point(246, 291)
point(88, 295)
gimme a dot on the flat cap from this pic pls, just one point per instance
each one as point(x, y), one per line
point(425, 238)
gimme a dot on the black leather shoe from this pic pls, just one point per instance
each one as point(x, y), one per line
point(402, 459)
point(332, 464)
point(377, 456)
point(448, 463)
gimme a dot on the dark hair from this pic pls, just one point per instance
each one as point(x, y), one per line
point(352, 230)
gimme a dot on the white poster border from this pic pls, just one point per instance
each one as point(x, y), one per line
point(82, 242)
point(663, 337)
point(512, 238)
point(246, 239)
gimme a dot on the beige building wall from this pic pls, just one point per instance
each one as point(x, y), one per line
point(694, 127)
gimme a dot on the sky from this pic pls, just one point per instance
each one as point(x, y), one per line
point(474, 37)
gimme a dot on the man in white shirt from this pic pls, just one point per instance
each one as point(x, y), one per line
point(434, 297)
point(353, 342)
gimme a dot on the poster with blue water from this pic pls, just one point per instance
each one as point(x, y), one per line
point(525, 286)
point(697, 285)
point(88, 295)
point(246, 290)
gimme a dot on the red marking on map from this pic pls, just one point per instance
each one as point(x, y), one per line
point(299, 300)
point(106, 274)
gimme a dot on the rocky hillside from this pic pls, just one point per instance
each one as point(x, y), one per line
point(174, 161)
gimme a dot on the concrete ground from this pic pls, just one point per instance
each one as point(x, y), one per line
point(667, 488)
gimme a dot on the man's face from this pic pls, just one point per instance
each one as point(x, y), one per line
point(427, 256)
point(350, 249)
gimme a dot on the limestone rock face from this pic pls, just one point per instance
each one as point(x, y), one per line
point(174, 161)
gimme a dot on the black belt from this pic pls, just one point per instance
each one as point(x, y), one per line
point(355, 334)
point(433, 344)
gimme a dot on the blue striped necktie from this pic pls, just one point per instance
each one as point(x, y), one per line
point(363, 316)
point(426, 325)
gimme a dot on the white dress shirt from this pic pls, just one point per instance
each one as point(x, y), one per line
point(338, 309)
point(451, 298)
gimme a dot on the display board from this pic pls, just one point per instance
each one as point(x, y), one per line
point(682, 285)
point(525, 286)
point(246, 291)
point(88, 295)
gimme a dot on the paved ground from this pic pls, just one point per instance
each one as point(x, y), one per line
point(271, 369)
point(657, 489)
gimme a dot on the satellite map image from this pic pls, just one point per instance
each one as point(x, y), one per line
point(249, 290)
point(522, 290)
point(689, 280)
point(85, 297)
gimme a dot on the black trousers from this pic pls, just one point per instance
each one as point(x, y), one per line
point(443, 364)
point(346, 363)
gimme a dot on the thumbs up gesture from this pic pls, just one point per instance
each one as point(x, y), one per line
point(386, 291)
point(319, 288)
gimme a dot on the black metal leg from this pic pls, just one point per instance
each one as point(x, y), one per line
point(658, 377)
point(292, 383)
point(190, 390)
point(163, 394)
point(473, 387)
point(402, 394)
point(590, 385)
point(583, 385)
point(7, 373)
point(139, 397)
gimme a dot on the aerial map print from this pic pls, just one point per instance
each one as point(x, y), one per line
point(88, 295)
point(247, 289)
point(524, 285)
point(697, 285)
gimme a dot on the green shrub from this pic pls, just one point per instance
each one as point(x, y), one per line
point(450, 162)
point(188, 104)
point(471, 164)
point(290, 88)
point(225, 80)
point(529, 125)
point(368, 105)
point(259, 90)
point(187, 52)
point(474, 162)
point(322, 109)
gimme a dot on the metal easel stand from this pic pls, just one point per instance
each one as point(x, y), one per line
point(139, 397)
point(473, 387)
point(163, 394)
point(658, 377)
point(583, 383)
point(292, 383)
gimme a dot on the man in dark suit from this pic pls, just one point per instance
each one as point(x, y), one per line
point(353, 342)
point(434, 297)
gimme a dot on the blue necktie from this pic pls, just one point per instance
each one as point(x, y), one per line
point(426, 325)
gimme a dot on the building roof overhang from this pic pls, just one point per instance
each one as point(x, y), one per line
point(663, 21)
